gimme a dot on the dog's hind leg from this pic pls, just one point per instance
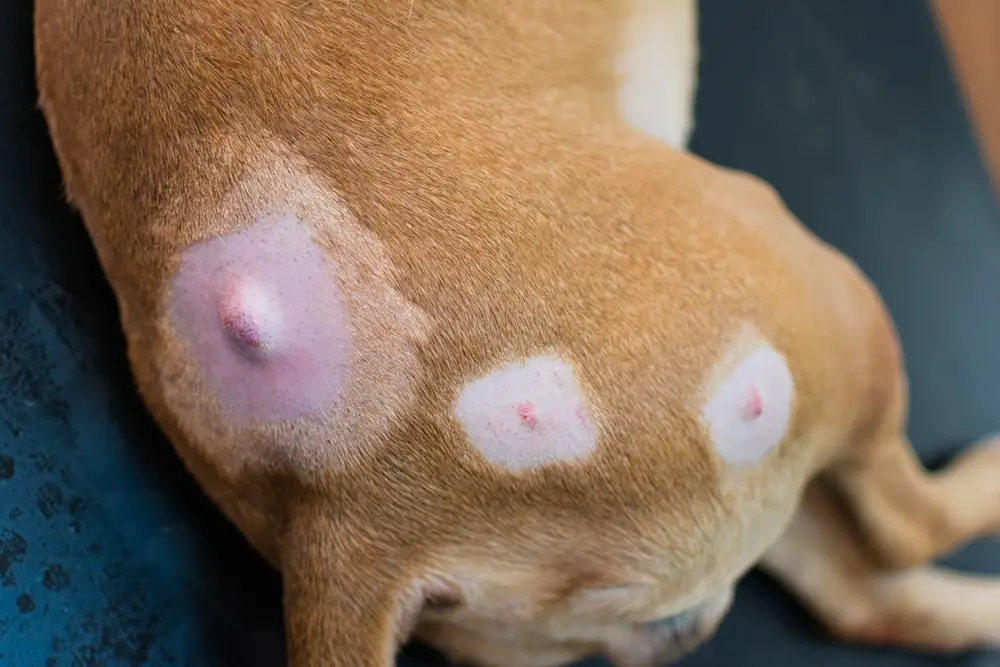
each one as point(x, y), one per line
point(908, 515)
point(824, 561)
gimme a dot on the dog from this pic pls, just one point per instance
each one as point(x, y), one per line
point(434, 305)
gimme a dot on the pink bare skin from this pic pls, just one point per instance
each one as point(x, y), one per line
point(268, 326)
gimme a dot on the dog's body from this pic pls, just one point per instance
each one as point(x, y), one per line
point(436, 314)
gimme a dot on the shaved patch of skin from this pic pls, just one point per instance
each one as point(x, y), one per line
point(527, 414)
point(748, 412)
point(285, 340)
point(261, 312)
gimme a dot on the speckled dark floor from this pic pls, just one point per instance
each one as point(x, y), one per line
point(108, 554)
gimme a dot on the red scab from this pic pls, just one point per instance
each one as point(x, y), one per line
point(526, 411)
point(754, 406)
point(242, 329)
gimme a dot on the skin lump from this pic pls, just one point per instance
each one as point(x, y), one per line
point(265, 320)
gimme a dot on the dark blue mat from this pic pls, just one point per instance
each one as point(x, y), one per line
point(109, 555)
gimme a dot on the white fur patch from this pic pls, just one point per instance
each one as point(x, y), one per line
point(749, 412)
point(658, 69)
point(527, 414)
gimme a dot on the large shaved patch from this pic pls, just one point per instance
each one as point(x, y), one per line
point(262, 312)
point(750, 403)
point(527, 414)
point(287, 340)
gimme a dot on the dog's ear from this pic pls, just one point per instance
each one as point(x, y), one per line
point(347, 602)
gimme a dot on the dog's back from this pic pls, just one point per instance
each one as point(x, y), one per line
point(440, 327)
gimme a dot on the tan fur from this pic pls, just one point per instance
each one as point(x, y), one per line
point(503, 208)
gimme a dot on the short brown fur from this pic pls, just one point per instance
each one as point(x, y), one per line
point(478, 145)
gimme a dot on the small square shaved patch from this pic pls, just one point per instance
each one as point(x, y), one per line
point(527, 414)
point(748, 412)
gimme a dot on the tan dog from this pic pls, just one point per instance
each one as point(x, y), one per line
point(434, 312)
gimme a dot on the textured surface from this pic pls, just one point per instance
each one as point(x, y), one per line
point(109, 556)
point(105, 556)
